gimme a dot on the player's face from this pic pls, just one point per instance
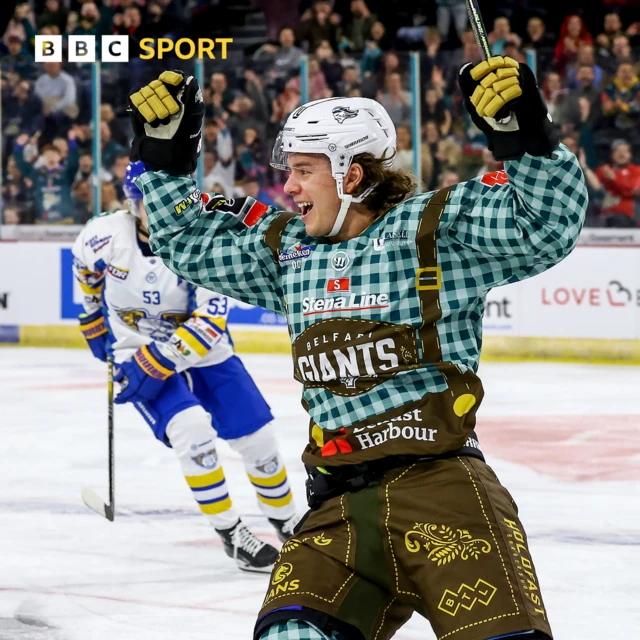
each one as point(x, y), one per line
point(313, 188)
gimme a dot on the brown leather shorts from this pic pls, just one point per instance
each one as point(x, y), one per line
point(441, 538)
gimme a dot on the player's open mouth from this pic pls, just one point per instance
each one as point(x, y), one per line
point(305, 207)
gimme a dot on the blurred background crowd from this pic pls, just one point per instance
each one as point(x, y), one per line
point(587, 58)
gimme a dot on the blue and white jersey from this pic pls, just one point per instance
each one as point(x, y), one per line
point(143, 301)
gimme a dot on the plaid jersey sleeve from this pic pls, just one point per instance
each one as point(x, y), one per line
point(218, 250)
point(519, 222)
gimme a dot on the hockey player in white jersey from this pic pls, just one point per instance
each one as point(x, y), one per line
point(176, 364)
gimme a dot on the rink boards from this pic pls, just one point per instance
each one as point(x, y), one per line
point(585, 308)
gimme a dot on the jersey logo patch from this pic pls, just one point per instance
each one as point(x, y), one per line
point(494, 178)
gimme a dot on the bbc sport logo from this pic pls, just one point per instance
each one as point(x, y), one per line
point(116, 48)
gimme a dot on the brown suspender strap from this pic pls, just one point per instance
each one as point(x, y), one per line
point(429, 276)
point(273, 235)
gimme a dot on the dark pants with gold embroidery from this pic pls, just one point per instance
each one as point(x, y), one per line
point(441, 538)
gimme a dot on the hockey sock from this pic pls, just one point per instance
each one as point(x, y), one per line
point(193, 441)
point(266, 472)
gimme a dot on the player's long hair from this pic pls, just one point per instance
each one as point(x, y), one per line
point(392, 186)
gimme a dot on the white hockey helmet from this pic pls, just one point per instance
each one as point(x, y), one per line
point(339, 128)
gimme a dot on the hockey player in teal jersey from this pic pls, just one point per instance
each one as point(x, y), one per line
point(384, 293)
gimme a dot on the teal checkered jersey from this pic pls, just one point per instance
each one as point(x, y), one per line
point(386, 328)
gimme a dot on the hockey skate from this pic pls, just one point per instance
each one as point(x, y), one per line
point(249, 552)
point(284, 528)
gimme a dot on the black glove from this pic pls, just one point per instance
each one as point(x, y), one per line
point(167, 117)
point(504, 102)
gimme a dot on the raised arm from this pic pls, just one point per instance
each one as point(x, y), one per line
point(520, 221)
point(223, 248)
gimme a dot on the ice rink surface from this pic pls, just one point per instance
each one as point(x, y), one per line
point(564, 439)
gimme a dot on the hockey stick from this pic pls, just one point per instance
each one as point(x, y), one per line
point(90, 497)
point(475, 18)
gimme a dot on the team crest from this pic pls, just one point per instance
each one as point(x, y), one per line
point(343, 113)
point(208, 459)
point(269, 466)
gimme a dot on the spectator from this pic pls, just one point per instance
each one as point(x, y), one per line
point(251, 161)
point(221, 95)
point(223, 169)
point(449, 178)
point(318, 87)
point(446, 153)
point(573, 34)
point(621, 101)
point(254, 90)
point(403, 160)
point(449, 11)
point(242, 118)
point(16, 26)
point(251, 187)
point(585, 57)
point(280, 63)
point(331, 68)
point(108, 197)
point(52, 181)
point(621, 181)
point(500, 35)
point(370, 62)
point(57, 90)
point(62, 146)
point(512, 50)
point(110, 148)
point(118, 132)
point(621, 53)
point(10, 215)
point(378, 35)
point(612, 29)
point(21, 112)
point(118, 170)
point(395, 99)
point(554, 94)
point(17, 191)
point(85, 170)
point(54, 13)
point(95, 22)
point(538, 39)
point(357, 29)
point(18, 59)
point(284, 104)
point(81, 203)
point(489, 163)
point(595, 192)
point(586, 89)
point(350, 80)
point(318, 24)
point(431, 55)
point(434, 109)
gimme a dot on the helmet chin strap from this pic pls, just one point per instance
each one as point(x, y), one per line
point(342, 214)
point(346, 200)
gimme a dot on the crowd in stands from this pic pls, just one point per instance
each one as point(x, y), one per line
point(587, 68)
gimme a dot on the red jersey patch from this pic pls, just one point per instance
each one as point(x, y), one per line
point(494, 178)
point(338, 284)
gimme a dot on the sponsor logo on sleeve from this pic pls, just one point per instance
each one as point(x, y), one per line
point(96, 242)
point(193, 198)
point(117, 272)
